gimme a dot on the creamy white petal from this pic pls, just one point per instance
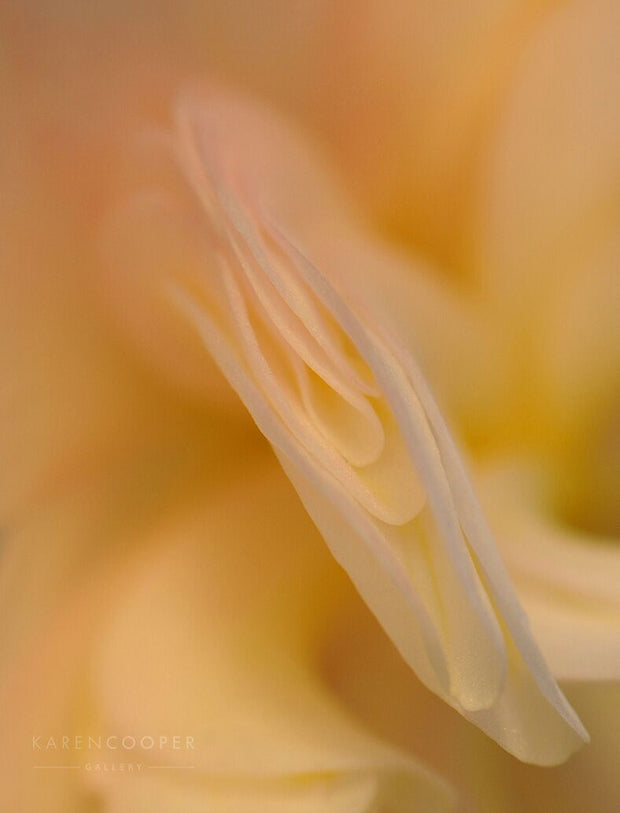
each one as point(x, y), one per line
point(394, 505)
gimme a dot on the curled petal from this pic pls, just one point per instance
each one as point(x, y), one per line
point(352, 421)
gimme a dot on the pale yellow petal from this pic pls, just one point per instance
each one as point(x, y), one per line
point(262, 308)
point(409, 101)
point(362, 662)
point(231, 606)
point(209, 628)
point(566, 579)
point(551, 181)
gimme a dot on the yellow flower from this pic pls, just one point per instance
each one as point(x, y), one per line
point(166, 588)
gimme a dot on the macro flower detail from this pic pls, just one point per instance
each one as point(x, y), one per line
point(280, 290)
point(232, 514)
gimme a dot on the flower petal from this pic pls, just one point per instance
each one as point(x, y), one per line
point(238, 666)
point(173, 634)
point(574, 609)
point(553, 169)
point(405, 525)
